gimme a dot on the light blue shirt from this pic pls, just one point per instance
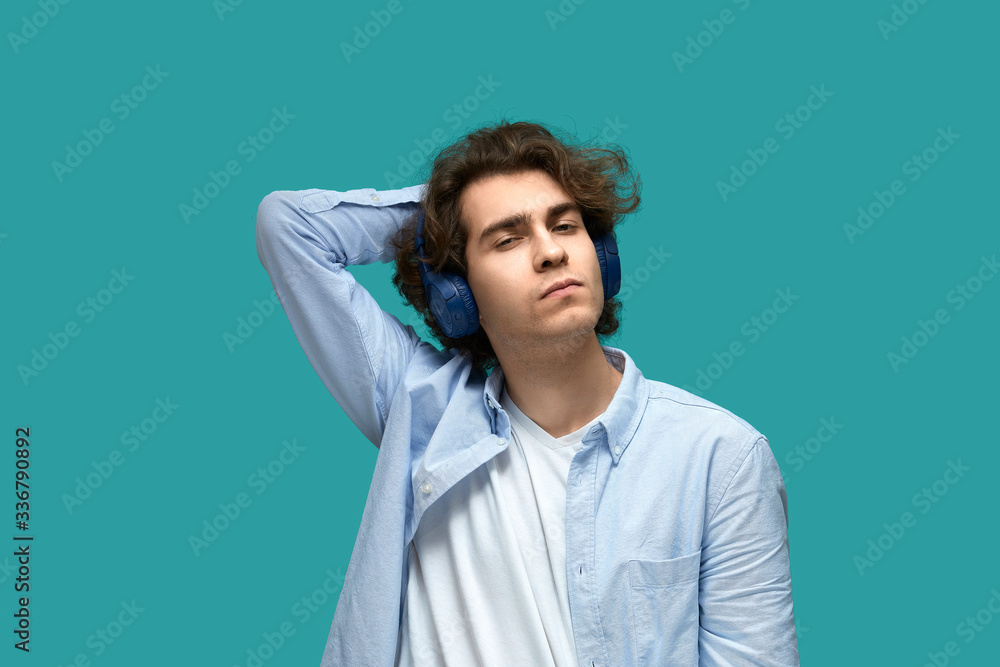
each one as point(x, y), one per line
point(676, 515)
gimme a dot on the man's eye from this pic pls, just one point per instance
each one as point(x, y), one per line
point(568, 225)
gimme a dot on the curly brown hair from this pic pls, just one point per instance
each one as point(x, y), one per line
point(599, 179)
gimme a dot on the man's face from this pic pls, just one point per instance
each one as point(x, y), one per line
point(525, 234)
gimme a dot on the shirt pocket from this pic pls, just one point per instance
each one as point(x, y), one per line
point(663, 599)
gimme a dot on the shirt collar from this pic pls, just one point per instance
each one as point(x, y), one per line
point(621, 419)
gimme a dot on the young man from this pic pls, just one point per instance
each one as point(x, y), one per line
point(562, 509)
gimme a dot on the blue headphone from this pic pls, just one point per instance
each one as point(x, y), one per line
point(450, 297)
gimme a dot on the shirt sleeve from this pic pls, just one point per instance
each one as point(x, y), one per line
point(305, 239)
point(745, 592)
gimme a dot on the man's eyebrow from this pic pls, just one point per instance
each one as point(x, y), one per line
point(522, 218)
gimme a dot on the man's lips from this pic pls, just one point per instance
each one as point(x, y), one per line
point(561, 288)
point(565, 291)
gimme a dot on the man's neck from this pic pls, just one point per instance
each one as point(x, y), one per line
point(561, 388)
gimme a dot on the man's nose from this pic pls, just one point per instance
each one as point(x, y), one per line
point(550, 249)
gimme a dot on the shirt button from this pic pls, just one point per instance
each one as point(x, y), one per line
point(501, 441)
point(618, 450)
point(376, 198)
point(426, 488)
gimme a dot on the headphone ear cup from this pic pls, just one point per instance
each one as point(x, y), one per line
point(611, 267)
point(449, 297)
point(452, 304)
point(466, 305)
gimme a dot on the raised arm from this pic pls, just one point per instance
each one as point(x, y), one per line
point(745, 589)
point(305, 238)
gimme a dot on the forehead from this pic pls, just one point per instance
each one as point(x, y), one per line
point(495, 197)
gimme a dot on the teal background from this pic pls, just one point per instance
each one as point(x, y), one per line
point(607, 65)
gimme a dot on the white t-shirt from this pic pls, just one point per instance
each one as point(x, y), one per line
point(487, 565)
